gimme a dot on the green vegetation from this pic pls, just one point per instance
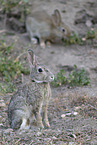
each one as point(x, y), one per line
point(60, 79)
point(91, 34)
point(78, 77)
point(10, 68)
point(75, 78)
point(77, 39)
point(8, 5)
point(74, 39)
point(17, 9)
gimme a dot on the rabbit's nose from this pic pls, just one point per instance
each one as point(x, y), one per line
point(52, 77)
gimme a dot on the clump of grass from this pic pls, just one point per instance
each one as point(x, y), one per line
point(10, 69)
point(8, 5)
point(15, 9)
point(8, 87)
point(73, 39)
point(75, 78)
point(77, 39)
point(78, 77)
point(60, 79)
point(91, 34)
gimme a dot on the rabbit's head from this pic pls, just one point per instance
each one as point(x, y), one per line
point(38, 73)
point(59, 28)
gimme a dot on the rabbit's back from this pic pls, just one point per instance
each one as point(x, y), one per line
point(18, 98)
point(39, 24)
point(41, 16)
point(17, 103)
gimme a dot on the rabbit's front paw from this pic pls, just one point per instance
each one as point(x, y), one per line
point(34, 40)
point(48, 44)
point(42, 44)
point(25, 124)
point(47, 124)
point(41, 125)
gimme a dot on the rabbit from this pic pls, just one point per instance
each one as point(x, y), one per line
point(32, 98)
point(44, 27)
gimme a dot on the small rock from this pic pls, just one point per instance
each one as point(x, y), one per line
point(83, 39)
point(1, 124)
point(39, 134)
point(88, 23)
point(54, 138)
point(68, 114)
point(63, 115)
point(75, 113)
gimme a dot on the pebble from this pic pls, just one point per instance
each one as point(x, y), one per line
point(68, 114)
point(63, 115)
point(54, 138)
point(39, 134)
point(75, 113)
point(1, 124)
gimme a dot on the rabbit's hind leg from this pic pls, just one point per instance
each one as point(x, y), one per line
point(25, 124)
point(16, 123)
point(19, 120)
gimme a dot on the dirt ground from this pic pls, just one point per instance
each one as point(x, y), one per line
point(72, 111)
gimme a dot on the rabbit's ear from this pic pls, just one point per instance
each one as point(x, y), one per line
point(31, 57)
point(56, 17)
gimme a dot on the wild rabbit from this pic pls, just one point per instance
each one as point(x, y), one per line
point(45, 27)
point(32, 98)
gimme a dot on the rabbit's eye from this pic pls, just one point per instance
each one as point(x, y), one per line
point(40, 70)
point(63, 30)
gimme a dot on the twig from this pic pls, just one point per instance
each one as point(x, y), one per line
point(22, 78)
point(92, 106)
point(17, 140)
point(31, 142)
point(20, 56)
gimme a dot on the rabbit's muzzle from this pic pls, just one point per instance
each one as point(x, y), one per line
point(52, 78)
